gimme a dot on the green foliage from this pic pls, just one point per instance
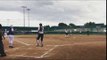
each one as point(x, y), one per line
point(72, 25)
point(90, 25)
point(62, 25)
point(47, 27)
point(56, 29)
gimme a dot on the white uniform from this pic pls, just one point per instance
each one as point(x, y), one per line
point(11, 36)
point(5, 33)
point(11, 39)
point(42, 31)
point(66, 33)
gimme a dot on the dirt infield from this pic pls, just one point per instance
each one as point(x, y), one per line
point(57, 47)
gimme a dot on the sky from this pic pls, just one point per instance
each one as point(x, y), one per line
point(52, 12)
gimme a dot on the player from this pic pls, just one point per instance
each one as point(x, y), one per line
point(66, 33)
point(11, 36)
point(88, 33)
point(5, 33)
point(40, 35)
point(2, 53)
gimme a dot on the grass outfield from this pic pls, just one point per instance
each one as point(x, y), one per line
point(57, 47)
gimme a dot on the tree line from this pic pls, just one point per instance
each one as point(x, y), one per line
point(71, 25)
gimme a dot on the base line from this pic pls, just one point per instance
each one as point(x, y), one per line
point(22, 43)
point(48, 51)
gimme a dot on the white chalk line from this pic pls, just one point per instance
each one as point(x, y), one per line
point(53, 49)
point(13, 49)
point(48, 51)
point(24, 56)
point(43, 55)
point(22, 42)
point(18, 47)
point(62, 45)
point(37, 56)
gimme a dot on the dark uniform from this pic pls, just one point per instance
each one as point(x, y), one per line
point(2, 53)
point(88, 33)
point(40, 35)
point(66, 33)
point(10, 31)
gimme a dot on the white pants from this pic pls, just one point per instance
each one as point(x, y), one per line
point(5, 35)
point(11, 39)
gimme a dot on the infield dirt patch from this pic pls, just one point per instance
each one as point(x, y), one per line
point(57, 47)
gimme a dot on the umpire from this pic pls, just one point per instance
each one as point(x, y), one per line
point(2, 53)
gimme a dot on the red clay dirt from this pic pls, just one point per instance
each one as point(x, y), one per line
point(57, 47)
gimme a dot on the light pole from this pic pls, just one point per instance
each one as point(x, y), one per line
point(24, 7)
point(28, 17)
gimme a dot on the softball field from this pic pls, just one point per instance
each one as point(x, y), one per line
point(57, 47)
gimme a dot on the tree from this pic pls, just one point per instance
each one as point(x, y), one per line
point(47, 28)
point(90, 25)
point(54, 28)
point(72, 25)
point(62, 25)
